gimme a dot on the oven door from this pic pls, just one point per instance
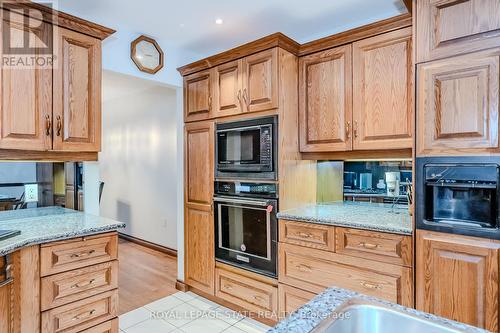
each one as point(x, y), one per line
point(246, 233)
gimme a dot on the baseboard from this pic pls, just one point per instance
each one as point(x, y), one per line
point(153, 246)
point(181, 286)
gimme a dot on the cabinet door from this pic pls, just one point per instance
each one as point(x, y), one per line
point(5, 308)
point(197, 96)
point(457, 105)
point(199, 247)
point(448, 27)
point(227, 94)
point(199, 163)
point(383, 91)
point(77, 92)
point(290, 299)
point(457, 278)
point(260, 84)
point(325, 100)
point(26, 93)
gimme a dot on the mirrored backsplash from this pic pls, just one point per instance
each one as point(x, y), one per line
point(366, 181)
point(31, 184)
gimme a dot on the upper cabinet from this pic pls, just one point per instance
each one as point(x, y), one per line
point(77, 92)
point(50, 111)
point(448, 27)
point(325, 100)
point(358, 96)
point(198, 96)
point(228, 80)
point(457, 105)
point(383, 91)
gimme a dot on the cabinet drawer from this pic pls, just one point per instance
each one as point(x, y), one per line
point(107, 327)
point(246, 292)
point(290, 299)
point(81, 315)
point(380, 246)
point(65, 256)
point(315, 270)
point(71, 286)
point(307, 234)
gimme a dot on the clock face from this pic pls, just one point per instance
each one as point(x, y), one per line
point(147, 55)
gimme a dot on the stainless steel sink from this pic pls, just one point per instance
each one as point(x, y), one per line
point(359, 316)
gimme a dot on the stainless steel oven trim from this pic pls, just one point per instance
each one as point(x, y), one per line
point(239, 129)
point(241, 201)
point(268, 228)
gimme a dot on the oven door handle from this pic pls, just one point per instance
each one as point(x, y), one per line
point(240, 201)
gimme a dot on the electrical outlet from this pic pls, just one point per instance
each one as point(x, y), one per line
point(31, 193)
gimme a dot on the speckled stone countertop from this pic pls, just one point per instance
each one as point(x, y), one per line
point(323, 306)
point(42, 225)
point(360, 215)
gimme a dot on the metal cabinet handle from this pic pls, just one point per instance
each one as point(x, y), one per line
point(348, 130)
point(305, 235)
point(82, 254)
point(77, 285)
point(304, 268)
point(355, 129)
point(84, 315)
point(6, 282)
point(368, 245)
point(368, 285)
point(48, 125)
point(228, 287)
point(245, 96)
point(209, 103)
point(59, 125)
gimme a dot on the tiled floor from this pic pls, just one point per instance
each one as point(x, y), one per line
point(187, 313)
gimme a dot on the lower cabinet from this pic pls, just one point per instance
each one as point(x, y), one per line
point(290, 299)
point(457, 278)
point(107, 327)
point(5, 307)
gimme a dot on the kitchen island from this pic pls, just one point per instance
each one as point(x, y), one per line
point(60, 274)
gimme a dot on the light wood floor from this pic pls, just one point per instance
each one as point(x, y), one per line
point(145, 275)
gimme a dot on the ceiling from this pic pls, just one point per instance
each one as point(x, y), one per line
point(190, 26)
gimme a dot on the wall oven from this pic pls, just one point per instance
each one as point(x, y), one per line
point(246, 231)
point(459, 195)
point(247, 149)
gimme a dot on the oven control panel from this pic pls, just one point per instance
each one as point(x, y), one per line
point(264, 190)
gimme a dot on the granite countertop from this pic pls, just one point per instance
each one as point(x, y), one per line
point(42, 225)
point(360, 215)
point(323, 306)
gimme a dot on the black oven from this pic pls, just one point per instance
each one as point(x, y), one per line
point(459, 195)
point(246, 230)
point(247, 149)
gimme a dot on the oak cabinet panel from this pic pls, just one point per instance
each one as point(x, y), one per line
point(260, 81)
point(457, 105)
point(25, 95)
point(325, 100)
point(307, 234)
point(77, 92)
point(290, 299)
point(6, 309)
point(199, 247)
point(198, 96)
point(383, 91)
point(457, 278)
point(227, 92)
point(449, 27)
point(199, 162)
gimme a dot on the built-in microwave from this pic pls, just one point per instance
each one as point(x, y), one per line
point(247, 149)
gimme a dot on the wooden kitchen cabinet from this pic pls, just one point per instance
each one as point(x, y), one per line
point(325, 100)
point(228, 91)
point(199, 249)
point(26, 96)
point(260, 81)
point(6, 305)
point(198, 96)
point(458, 105)
point(383, 91)
point(77, 92)
point(457, 278)
point(448, 27)
point(290, 299)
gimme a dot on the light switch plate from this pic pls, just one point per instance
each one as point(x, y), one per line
point(31, 193)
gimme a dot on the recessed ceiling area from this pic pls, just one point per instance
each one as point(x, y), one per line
point(191, 26)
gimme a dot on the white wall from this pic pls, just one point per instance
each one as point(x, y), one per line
point(138, 162)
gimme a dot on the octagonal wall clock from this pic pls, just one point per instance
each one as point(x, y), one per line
point(146, 54)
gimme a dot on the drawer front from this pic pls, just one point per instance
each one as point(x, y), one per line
point(315, 270)
point(107, 327)
point(81, 315)
point(246, 292)
point(307, 234)
point(290, 299)
point(64, 288)
point(394, 249)
point(74, 254)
